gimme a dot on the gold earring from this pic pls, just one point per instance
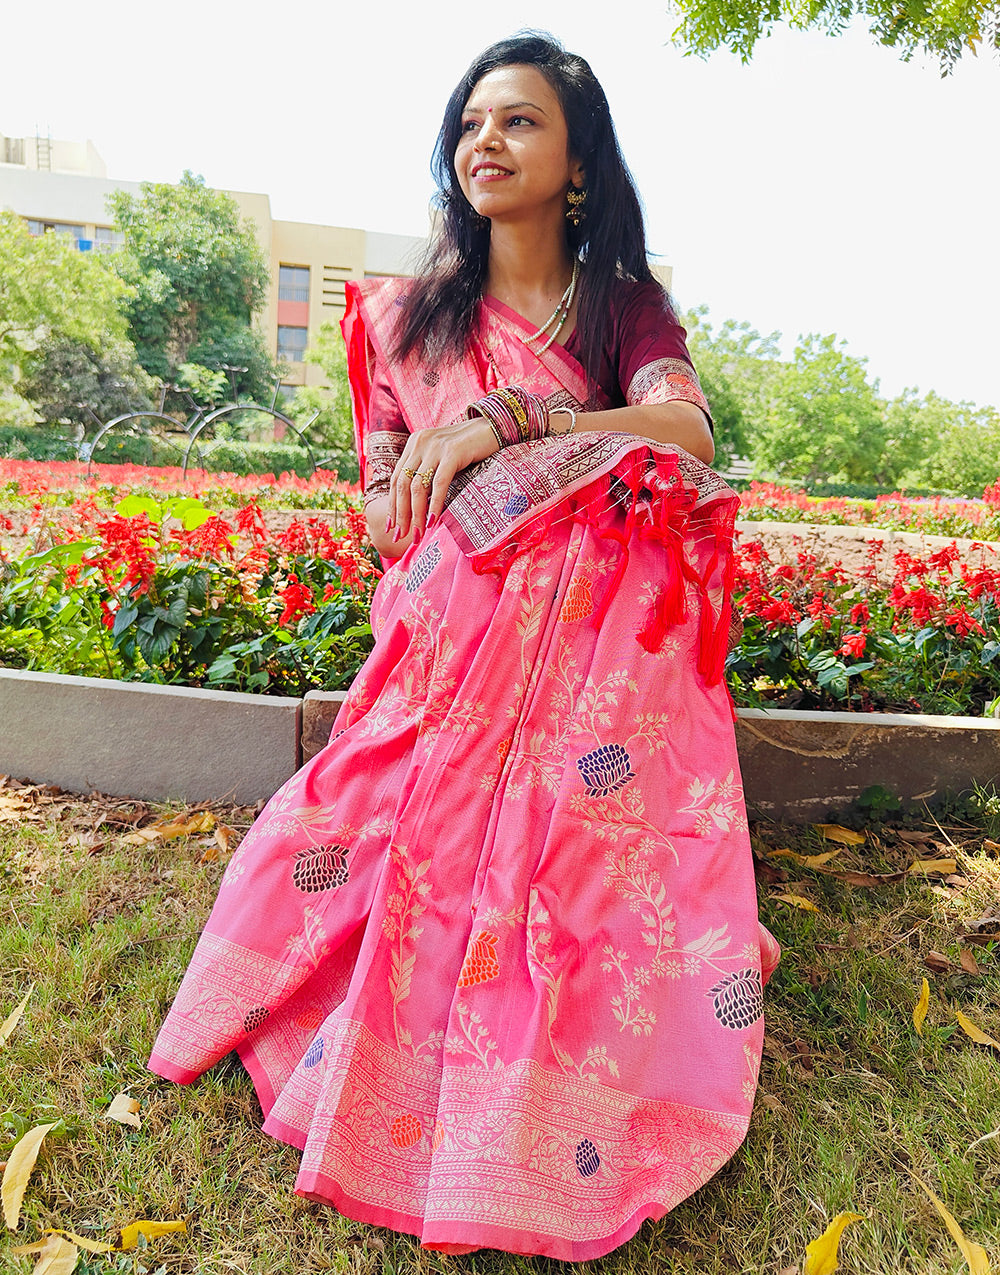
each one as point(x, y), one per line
point(576, 212)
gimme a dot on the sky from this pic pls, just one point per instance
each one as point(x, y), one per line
point(824, 187)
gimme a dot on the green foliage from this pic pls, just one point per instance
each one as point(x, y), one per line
point(824, 420)
point(333, 427)
point(64, 378)
point(943, 29)
point(167, 591)
point(61, 326)
point(957, 444)
point(28, 442)
point(198, 277)
point(736, 367)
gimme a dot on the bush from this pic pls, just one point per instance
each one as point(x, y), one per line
point(228, 456)
point(31, 442)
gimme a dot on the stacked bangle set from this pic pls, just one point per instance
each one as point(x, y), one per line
point(517, 416)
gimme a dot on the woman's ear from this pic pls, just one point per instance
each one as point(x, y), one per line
point(577, 174)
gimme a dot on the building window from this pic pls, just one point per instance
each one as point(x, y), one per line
point(293, 283)
point(57, 227)
point(106, 239)
point(292, 343)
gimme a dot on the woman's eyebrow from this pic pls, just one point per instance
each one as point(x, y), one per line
point(472, 109)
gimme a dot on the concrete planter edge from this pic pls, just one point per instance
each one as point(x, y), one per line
point(178, 743)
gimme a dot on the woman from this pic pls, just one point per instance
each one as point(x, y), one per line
point(492, 958)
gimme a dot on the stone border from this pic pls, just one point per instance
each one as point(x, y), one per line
point(178, 743)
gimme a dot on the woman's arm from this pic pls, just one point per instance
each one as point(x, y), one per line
point(678, 422)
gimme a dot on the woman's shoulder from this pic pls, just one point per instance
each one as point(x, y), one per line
point(633, 297)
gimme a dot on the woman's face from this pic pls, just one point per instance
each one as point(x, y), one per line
point(512, 158)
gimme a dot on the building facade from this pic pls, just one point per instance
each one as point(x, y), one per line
point(63, 187)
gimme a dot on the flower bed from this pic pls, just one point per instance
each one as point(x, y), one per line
point(185, 582)
point(43, 483)
point(173, 592)
point(938, 515)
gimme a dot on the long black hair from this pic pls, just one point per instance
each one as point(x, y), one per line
point(610, 242)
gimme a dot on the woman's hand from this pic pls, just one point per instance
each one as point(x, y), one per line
point(419, 485)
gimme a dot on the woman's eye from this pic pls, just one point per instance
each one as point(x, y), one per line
point(520, 119)
point(469, 126)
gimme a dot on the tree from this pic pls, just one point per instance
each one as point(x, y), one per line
point(53, 300)
point(825, 420)
point(736, 367)
point(943, 29)
point(954, 446)
point(66, 381)
point(198, 277)
point(333, 428)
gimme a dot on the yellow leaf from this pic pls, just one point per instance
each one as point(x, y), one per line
point(834, 832)
point(56, 1257)
point(821, 1253)
point(141, 837)
point(973, 1032)
point(125, 1109)
point(920, 1009)
point(974, 1254)
point(130, 1234)
point(92, 1246)
point(183, 825)
point(19, 1165)
point(805, 860)
point(933, 867)
point(14, 1018)
point(796, 901)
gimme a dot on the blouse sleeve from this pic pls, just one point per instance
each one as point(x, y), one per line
point(653, 361)
point(385, 436)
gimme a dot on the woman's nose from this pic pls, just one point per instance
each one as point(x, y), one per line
point(489, 136)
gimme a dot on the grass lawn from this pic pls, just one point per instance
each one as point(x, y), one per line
point(852, 1100)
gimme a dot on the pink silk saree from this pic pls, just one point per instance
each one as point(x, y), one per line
point(492, 958)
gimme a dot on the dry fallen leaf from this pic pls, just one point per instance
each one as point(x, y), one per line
point(92, 1246)
point(223, 836)
point(938, 962)
point(12, 1020)
point(56, 1256)
point(185, 825)
point(968, 961)
point(130, 1234)
point(14, 808)
point(834, 832)
point(865, 878)
point(19, 1165)
point(796, 901)
point(920, 1009)
point(974, 1254)
point(973, 1032)
point(821, 1253)
point(805, 860)
point(933, 867)
point(914, 837)
point(125, 1109)
point(992, 846)
point(141, 837)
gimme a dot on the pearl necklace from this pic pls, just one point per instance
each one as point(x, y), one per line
point(560, 313)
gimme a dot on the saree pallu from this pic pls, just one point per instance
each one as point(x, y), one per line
point(492, 958)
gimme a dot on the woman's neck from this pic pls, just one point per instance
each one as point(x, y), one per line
point(529, 267)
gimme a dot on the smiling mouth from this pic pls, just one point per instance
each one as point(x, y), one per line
point(490, 170)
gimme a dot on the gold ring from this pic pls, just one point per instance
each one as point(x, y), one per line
point(427, 477)
point(409, 473)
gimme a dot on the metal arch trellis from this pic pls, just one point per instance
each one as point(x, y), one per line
point(194, 427)
point(272, 411)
